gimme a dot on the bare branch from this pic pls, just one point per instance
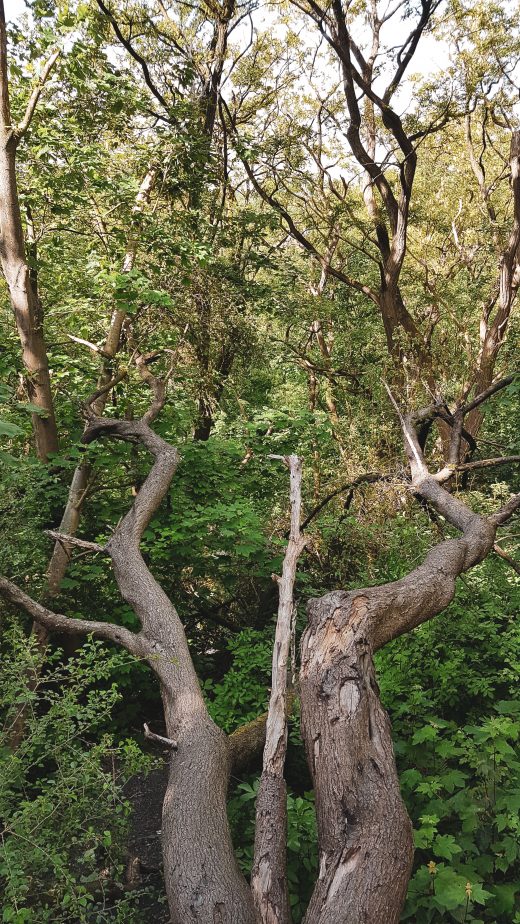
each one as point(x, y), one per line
point(484, 395)
point(168, 742)
point(487, 463)
point(506, 512)
point(368, 478)
point(91, 346)
point(55, 622)
point(137, 57)
point(268, 879)
point(498, 550)
point(21, 129)
point(73, 540)
point(103, 390)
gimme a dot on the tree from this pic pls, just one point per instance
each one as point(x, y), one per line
point(368, 253)
point(165, 305)
point(363, 875)
point(20, 280)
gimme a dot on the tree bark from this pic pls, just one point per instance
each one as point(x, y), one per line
point(364, 834)
point(494, 330)
point(22, 293)
point(269, 875)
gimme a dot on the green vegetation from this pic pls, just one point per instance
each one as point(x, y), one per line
point(213, 205)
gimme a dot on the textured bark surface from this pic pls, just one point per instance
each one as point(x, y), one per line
point(364, 834)
point(365, 838)
point(269, 874)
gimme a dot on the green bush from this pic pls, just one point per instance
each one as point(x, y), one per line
point(63, 814)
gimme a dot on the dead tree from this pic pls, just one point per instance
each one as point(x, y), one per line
point(364, 834)
point(269, 875)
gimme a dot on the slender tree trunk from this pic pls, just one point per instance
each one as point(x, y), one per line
point(60, 557)
point(22, 293)
point(61, 553)
point(269, 875)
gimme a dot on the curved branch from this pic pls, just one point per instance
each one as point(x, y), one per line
point(137, 57)
point(55, 622)
point(368, 478)
point(22, 127)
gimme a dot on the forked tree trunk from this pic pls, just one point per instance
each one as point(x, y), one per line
point(203, 880)
point(364, 835)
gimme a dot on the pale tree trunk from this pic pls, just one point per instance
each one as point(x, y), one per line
point(494, 328)
point(269, 874)
point(13, 259)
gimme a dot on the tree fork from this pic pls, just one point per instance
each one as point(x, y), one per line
point(364, 833)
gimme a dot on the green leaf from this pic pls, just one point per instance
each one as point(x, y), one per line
point(9, 429)
point(445, 846)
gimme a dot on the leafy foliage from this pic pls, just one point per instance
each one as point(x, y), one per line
point(64, 814)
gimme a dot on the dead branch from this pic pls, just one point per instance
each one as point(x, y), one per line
point(160, 739)
point(67, 541)
point(268, 878)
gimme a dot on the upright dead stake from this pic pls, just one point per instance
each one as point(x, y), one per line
point(269, 875)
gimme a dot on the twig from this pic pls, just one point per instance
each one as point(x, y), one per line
point(168, 742)
point(507, 558)
point(73, 540)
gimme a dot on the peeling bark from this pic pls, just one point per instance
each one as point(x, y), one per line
point(364, 834)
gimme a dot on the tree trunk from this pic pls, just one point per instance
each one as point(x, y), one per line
point(25, 304)
point(203, 881)
point(24, 298)
point(364, 834)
